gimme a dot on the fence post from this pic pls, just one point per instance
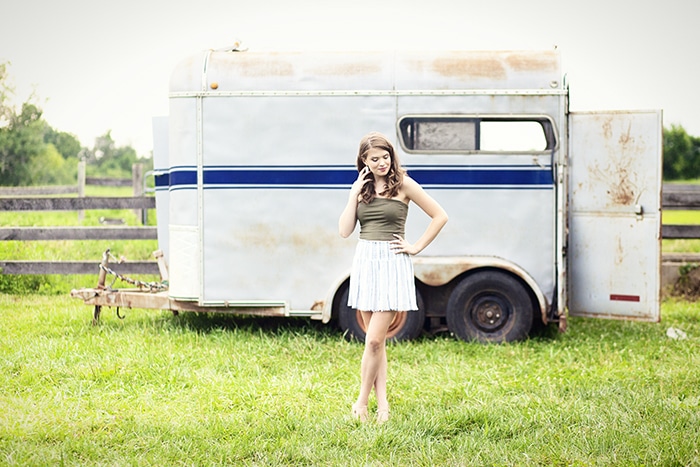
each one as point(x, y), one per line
point(81, 186)
point(137, 184)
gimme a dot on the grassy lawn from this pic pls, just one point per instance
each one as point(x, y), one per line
point(154, 389)
point(684, 245)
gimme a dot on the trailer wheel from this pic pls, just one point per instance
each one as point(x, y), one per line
point(490, 306)
point(405, 326)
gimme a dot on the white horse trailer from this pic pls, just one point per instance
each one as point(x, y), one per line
point(552, 213)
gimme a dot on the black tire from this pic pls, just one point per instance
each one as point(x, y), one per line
point(490, 306)
point(405, 326)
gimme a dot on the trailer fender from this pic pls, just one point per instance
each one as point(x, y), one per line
point(437, 270)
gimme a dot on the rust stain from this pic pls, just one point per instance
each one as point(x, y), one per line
point(535, 61)
point(619, 251)
point(482, 67)
point(607, 129)
point(624, 192)
point(346, 69)
point(437, 277)
point(440, 274)
point(626, 138)
point(618, 174)
point(621, 189)
point(271, 238)
point(264, 66)
point(259, 236)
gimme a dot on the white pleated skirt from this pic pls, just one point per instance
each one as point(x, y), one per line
point(381, 280)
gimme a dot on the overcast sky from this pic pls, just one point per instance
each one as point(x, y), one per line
point(96, 65)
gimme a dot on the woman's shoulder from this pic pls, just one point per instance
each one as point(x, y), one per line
point(406, 189)
point(409, 186)
point(407, 180)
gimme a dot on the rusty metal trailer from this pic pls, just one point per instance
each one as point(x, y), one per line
point(552, 213)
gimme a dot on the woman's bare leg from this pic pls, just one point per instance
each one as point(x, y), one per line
point(366, 317)
point(373, 370)
point(380, 384)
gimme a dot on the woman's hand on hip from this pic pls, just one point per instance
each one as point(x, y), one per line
point(400, 245)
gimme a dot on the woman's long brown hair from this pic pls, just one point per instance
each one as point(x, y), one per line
point(394, 178)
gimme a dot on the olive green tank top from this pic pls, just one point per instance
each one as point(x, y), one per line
point(382, 218)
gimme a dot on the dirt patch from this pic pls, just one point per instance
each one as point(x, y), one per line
point(688, 284)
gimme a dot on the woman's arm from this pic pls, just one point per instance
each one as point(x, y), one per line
point(414, 192)
point(348, 218)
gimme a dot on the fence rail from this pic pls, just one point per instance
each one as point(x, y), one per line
point(680, 197)
point(77, 233)
point(62, 189)
point(675, 197)
point(679, 232)
point(681, 200)
point(76, 204)
point(39, 190)
point(108, 181)
point(76, 267)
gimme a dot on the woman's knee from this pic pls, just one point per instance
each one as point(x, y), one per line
point(374, 344)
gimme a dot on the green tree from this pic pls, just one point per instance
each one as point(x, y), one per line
point(66, 144)
point(50, 168)
point(21, 140)
point(681, 154)
point(106, 159)
point(694, 156)
point(25, 157)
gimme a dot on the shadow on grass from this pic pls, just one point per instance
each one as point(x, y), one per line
point(211, 322)
point(542, 333)
point(214, 322)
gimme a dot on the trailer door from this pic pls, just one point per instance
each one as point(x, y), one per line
point(615, 214)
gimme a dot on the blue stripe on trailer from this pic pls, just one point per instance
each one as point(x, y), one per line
point(334, 177)
point(162, 180)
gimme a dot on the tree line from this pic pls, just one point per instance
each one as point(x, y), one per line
point(32, 152)
point(681, 154)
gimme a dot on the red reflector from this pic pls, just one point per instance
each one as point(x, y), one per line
point(624, 298)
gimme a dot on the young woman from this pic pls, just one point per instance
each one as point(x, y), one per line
point(382, 282)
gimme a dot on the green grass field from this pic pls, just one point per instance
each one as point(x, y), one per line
point(155, 389)
point(685, 245)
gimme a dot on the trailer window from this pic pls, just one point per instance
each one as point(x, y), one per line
point(512, 136)
point(472, 134)
point(440, 135)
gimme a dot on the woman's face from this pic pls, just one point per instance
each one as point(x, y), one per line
point(379, 161)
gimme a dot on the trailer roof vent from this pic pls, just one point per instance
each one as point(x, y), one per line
point(237, 46)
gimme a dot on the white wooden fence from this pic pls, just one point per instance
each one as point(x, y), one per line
point(24, 199)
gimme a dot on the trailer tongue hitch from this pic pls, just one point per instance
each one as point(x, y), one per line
point(105, 269)
point(104, 290)
point(96, 315)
